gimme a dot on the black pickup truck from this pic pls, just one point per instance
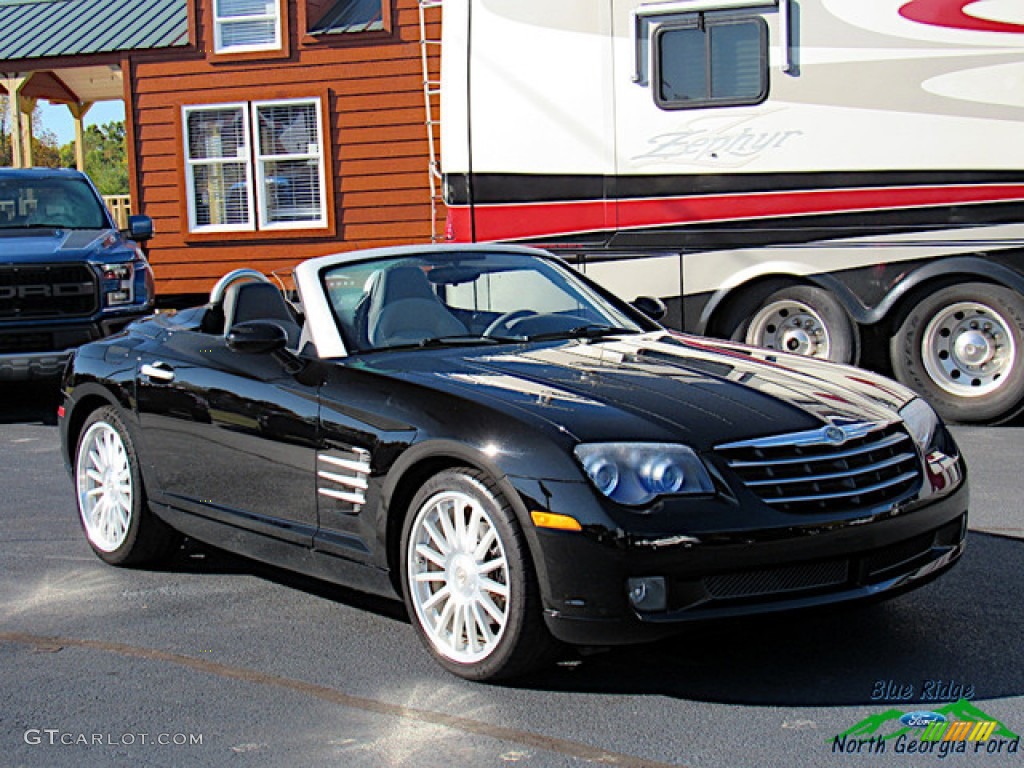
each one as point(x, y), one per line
point(67, 274)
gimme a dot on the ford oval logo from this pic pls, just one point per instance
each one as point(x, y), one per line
point(922, 719)
point(835, 435)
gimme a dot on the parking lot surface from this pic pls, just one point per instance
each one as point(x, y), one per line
point(215, 660)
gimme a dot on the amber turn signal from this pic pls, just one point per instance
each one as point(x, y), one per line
point(557, 522)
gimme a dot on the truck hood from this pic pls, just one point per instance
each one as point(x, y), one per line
point(664, 387)
point(55, 245)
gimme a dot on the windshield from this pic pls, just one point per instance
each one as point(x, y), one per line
point(467, 298)
point(52, 203)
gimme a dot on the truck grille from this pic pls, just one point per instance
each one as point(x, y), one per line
point(834, 469)
point(42, 291)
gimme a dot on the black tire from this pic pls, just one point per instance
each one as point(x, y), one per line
point(933, 352)
point(761, 322)
point(520, 642)
point(110, 496)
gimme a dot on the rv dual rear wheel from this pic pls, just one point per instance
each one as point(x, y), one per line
point(801, 319)
point(963, 349)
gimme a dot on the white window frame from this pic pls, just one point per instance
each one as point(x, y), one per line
point(313, 153)
point(219, 22)
point(254, 160)
point(245, 157)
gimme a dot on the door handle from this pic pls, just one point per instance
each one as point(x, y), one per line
point(158, 371)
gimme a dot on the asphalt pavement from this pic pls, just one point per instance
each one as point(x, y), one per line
point(217, 661)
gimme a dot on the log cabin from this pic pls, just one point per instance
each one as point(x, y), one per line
point(260, 132)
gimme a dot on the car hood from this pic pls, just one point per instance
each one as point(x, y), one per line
point(54, 245)
point(664, 386)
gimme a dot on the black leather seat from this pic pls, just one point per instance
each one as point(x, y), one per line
point(259, 301)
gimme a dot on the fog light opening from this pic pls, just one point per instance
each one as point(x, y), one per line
point(647, 593)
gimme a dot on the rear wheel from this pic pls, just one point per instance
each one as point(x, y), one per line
point(963, 349)
point(801, 319)
point(468, 582)
point(112, 506)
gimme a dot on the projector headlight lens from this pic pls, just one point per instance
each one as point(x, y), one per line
point(638, 473)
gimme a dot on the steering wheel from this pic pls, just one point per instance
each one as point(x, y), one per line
point(218, 290)
point(506, 321)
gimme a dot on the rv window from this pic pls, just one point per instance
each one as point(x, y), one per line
point(711, 62)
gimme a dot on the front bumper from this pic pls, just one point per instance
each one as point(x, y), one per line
point(717, 574)
point(41, 351)
point(34, 365)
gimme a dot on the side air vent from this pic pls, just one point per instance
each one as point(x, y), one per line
point(342, 476)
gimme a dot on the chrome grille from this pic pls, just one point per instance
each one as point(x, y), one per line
point(834, 469)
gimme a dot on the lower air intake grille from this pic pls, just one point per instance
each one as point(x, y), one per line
point(777, 580)
point(834, 469)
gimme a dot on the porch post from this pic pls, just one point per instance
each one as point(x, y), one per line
point(27, 108)
point(13, 83)
point(78, 110)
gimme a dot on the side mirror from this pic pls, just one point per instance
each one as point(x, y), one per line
point(140, 227)
point(257, 337)
point(652, 307)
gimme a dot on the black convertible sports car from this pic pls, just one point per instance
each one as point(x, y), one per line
point(524, 457)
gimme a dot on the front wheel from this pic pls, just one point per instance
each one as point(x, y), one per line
point(112, 507)
point(963, 349)
point(468, 582)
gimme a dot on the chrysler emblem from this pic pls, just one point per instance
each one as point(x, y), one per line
point(835, 435)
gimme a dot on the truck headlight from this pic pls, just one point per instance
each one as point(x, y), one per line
point(118, 284)
point(638, 473)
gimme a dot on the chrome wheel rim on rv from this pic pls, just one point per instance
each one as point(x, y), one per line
point(104, 487)
point(968, 348)
point(458, 577)
point(790, 326)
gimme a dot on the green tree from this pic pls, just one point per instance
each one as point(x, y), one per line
point(5, 139)
point(45, 152)
point(106, 161)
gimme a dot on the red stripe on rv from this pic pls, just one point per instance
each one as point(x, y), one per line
point(520, 221)
point(953, 14)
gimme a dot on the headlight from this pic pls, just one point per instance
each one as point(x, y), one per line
point(922, 423)
point(118, 283)
point(637, 473)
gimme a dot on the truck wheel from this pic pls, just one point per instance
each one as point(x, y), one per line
point(468, 582)
point(963, 349)
point(801, 319)
point(112, 507)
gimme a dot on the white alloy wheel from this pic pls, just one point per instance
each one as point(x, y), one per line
point(105, 487)
point(458, 577)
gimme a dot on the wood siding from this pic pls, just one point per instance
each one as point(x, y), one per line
point(372, 97)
